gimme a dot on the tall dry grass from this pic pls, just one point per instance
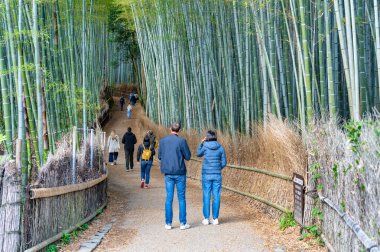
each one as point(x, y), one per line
point(278, 147)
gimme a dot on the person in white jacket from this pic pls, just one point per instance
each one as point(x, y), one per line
point(113, 147)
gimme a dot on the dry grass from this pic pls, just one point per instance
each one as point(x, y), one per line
point(278, 147)
point(57, 170)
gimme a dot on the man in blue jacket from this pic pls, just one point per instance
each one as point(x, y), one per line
point(173, 151)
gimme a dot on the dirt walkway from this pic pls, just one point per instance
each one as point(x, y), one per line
point(138, 214)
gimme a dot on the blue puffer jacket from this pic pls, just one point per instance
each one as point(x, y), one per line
point(214, 157)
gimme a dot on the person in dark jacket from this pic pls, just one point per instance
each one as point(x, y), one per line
point(129, 140)
point(122, 102)
point(146, 164)
point(213, 163)
point(173, 151)
point(132, 99)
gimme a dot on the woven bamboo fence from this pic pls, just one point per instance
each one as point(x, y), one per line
point(348, 175)
point(50, 211)
point(10, 207)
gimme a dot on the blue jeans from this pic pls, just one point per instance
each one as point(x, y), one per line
point(211, 183)
point(145, 170)
point(129, 114)
point(170, 182)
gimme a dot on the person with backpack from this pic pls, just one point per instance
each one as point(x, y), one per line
point(113, 148)
point(129, 111)
point(173, 151)
point(129, 140)
point(122, 102)
point(213, 163)
point(145, 153)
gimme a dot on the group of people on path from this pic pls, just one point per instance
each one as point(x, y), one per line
point(145, 152)
point(172, 152)
point(133, 98)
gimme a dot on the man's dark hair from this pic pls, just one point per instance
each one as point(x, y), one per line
point(129, 129)
point(176, 126)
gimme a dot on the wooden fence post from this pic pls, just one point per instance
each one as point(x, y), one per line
point(91, 148)
point(73, 170)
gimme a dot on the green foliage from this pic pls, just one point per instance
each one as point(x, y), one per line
point(335, 172)
point(66, 238)
point(75, 233)
point(84, 227)
point(52, 248)
point(2, 138)
point(342, 206)
point(99, 211)
point(313, 231)
point(287, 220)
point(314, 169)
point(124, 33)
point(353, 133)
point(108, 92)
point(317, 213)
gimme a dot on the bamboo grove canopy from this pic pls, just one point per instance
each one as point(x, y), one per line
point(225, 63)
point(55, 58)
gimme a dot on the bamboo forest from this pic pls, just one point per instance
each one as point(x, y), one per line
point(290, 90)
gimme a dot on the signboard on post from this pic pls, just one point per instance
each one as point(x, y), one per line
point(299, 197)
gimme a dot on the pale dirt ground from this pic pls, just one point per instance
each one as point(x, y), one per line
point(138, 214)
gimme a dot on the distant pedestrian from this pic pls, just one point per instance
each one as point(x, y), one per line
point(173, 151)
point(113, 147)
point(122, 102)
point(145, 153)
point(132, 99)
point(129, 111)
point(129, 140)
point(213, 163)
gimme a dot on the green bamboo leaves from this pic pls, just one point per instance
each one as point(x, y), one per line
point(247, 59)
point(55, 59)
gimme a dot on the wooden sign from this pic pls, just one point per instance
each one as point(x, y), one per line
point(299, 197)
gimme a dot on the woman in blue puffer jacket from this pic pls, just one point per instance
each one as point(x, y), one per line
point(213, 163)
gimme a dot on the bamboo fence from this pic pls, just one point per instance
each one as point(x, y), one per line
point(49, 212)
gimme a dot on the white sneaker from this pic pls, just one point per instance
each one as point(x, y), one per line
point(185, 226)
point(215, 222)
point(168, 227)
point(205, 222)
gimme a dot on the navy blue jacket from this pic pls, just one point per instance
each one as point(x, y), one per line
point(173, 151)
point(214, 157)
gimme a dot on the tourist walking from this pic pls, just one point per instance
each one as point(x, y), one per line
point(213, 163)
point(129, 111)
point(173, 151)
point(145, 153)
point(129, 140)
point(132, 99)
point(122, 102)
point(113, 147)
